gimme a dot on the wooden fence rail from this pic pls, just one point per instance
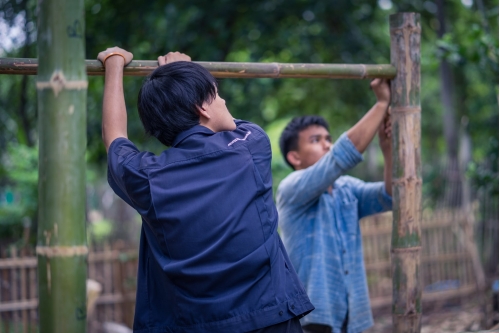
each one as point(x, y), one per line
point(446, 272)
point(113, 267)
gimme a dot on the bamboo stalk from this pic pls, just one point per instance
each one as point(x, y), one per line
point(23, 66)
point(407, 181)
point(62, 93)
point(24, 293)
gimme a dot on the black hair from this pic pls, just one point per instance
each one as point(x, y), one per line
point(169, 98)
point(289, 139)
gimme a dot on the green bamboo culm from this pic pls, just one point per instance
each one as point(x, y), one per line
point(242, 70)
point(406, 173)
point(62, 92)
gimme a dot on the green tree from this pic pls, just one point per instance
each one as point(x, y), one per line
point(286, 31)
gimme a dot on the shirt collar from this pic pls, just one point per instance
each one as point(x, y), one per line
point(193, 130)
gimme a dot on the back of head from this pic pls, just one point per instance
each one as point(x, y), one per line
point(289, 139)
point(169, 98)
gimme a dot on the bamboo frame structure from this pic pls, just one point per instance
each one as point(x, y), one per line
point(62, 88)
point(62, 98)
point(406, 173)
point(227, 69)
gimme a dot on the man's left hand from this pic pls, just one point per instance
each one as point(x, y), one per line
point(172, 57)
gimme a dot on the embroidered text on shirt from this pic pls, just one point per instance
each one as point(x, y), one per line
point(238, 139)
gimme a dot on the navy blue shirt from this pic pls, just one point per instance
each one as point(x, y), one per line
point(210, 257)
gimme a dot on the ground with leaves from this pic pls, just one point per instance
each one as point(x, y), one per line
point(459, 316)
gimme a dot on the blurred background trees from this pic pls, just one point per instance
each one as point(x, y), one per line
point(459, 86)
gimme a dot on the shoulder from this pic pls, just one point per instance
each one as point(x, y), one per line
point(251, 135)
point(254, 128)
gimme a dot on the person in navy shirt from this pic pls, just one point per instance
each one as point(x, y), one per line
point(210, 257)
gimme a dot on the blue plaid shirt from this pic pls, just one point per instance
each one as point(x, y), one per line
point(322, 236)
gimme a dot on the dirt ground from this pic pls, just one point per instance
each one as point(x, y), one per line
point(463, 315)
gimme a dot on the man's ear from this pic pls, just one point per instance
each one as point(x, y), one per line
point(293, 158)
point(203, 111)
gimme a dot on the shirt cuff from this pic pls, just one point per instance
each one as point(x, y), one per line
point(346, 154)
point(116, 142)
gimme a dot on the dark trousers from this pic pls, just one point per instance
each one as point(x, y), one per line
point(290, 326)
point(319, 328)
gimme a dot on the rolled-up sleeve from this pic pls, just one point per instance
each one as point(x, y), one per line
point(345, 153)
point(126, 174)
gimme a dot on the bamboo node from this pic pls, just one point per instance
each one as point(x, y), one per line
point(406, 249)
point(58, 82)
point(414, 29)
point(363, 75)
point(405, 109)
point(62, 251)
point(407, 180)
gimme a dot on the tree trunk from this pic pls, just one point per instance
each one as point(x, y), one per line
point(453, 187)
point(407, 181)
point(62, 90)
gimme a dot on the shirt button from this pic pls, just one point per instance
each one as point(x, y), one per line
point(281, 313)
point(293, 306)
point(346, 272)
point(343, 251)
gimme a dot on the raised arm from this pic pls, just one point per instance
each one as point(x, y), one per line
point(363, 132)
point(114, 112)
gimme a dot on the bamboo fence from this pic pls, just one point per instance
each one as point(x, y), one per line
point(114, 267)
point(447, 273)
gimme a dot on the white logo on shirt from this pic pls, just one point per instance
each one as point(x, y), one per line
point(238, 139)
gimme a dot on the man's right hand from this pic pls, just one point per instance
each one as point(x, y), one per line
point(382, 90)
point(119, 53)
point(172, 57)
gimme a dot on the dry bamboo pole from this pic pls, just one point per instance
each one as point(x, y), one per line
point(24, 293)
point(243, 70)
point(407, 181)
point(62, 92)
point(14, 282)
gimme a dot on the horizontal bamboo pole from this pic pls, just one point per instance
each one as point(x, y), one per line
point(243, 70)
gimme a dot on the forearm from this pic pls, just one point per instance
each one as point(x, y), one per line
point(388, 173)
point(306, 185)
point(114, 112)
point(363, 132)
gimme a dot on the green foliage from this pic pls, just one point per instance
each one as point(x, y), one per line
point(18, 205)
point(279, 167)
point(99, 230)
point(345, 31)
point(485, 174)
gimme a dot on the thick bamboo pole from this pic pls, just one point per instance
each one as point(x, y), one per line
point(227, 69)
point(407, 181)
point(62, 90)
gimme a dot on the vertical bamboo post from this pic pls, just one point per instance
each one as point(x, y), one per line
point(407, 181)
point(62, 91)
